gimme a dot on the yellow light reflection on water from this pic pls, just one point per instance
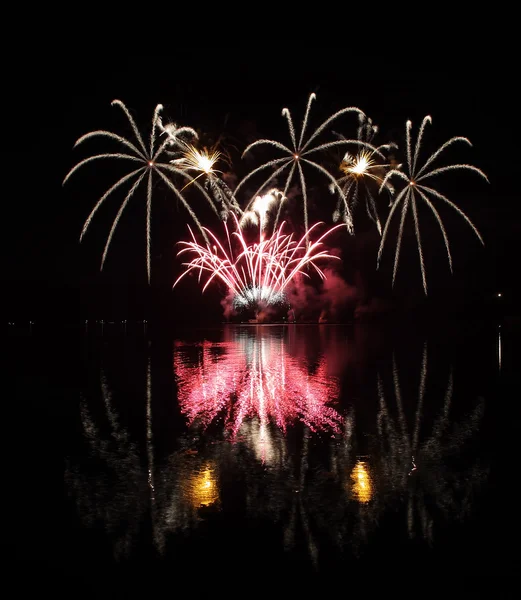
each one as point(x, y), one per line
point(203, 488)
point(362, 487)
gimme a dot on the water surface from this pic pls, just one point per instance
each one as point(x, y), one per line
point(251, 453)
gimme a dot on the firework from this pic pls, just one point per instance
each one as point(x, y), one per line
point(259, 273)
point(359, 170)
point(416, 190)
point(203, 162)
point(150, 163)
point(198, 160)
point(298, 155)
point(260, 209)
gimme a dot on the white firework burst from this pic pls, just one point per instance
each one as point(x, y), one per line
point(296, 156)
point(149, 164)
point(416, 190)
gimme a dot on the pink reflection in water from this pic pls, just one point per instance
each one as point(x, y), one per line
point(253, 376)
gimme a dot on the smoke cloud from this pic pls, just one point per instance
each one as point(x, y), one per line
point(316, 300)
point(324, 302)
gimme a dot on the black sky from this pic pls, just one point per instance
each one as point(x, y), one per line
point(57, 99)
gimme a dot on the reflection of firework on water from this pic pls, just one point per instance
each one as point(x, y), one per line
point(421, 470)
point(426, 471)
point(120, 484)
point(256, 390)
point(111, 486)
point(299, 509)
point(187, 482)
point(361, 481)
point(132, 489)
point(298, 155)
point(150, 164)
point(359, 170)
point(266, 392)
point(417, 190)
point(264, 383)
point(257, 274)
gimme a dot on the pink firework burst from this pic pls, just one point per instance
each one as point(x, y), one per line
point(257, 274)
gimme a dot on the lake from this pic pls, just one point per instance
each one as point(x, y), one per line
point(248, 457)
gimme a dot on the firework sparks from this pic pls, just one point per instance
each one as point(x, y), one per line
point(259, 273)
point(203, 162)
point(359, 170)
point(416, 189)
point(149, 160)
point(198, 160)
point(298, 155)
point(260, 209)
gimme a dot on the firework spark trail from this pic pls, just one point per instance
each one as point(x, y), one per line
point(260, 272)
point(149, 158)
point(118, 216)
point(358, 170)
point(297, 155)
point(416, 190)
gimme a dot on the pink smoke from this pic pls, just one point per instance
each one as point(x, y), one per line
point(227, 304)
point(325, 301)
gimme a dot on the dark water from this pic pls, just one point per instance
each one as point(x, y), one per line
point(245, 458)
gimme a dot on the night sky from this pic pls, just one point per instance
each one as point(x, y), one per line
point(47, 274)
